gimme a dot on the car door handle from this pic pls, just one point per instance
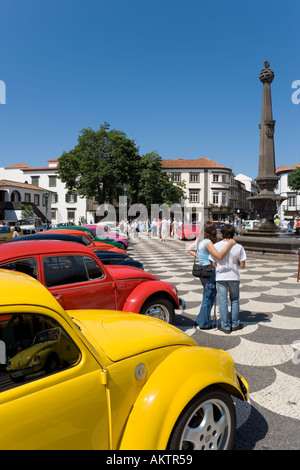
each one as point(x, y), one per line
point(60, 299)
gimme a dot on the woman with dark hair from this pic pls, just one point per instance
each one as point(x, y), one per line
point(202, 250)
point(228, 280)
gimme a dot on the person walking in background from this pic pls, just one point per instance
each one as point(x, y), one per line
point(228, 280)
point(14, 232)
point(165, 226)
point(175, 227)
point(154, 228)
point(202, 250)
point(159, 228)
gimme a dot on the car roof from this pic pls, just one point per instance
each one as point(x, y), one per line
point(19, 289)
point(47, 236)
point(69, 231)
point(34, 247)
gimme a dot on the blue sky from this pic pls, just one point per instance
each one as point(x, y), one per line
point(179, 78)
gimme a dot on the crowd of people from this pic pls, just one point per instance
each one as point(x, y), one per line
point(292, 225)
point(160, 228)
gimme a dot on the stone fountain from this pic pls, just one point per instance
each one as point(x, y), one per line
point(266, 202)
point(265, 238)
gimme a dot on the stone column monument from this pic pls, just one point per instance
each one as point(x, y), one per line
point(266, 202)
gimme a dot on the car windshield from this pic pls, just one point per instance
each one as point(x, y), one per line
point(47, 335)
point(90, 233)
point(26, 222)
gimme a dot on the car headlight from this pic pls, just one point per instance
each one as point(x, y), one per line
point(37, 358)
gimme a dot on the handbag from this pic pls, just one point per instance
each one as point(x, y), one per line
point(201, 271)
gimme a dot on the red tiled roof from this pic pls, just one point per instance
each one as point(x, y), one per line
point(19, 165)
point(16, 184)
point(197, 163)
point(287, 168)
point(44, 168)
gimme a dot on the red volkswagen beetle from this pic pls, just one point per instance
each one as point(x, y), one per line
point(78, 280)
point(189, 231)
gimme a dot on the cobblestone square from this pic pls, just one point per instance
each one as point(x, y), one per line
point(266, 350)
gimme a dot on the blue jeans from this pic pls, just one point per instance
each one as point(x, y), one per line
point(209, 297)
point(229, 320)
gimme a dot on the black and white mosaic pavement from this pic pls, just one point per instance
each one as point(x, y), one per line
point(266, 351)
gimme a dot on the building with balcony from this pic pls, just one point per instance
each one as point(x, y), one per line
point(14, 196)
point(33, 182)
point(211, 189)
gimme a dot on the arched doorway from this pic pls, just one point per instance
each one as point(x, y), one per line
point(15, 196)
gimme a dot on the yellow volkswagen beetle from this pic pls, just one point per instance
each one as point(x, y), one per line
point(119, 381)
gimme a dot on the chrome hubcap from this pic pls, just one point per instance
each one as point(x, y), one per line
point(158, 311)
point(208, 428)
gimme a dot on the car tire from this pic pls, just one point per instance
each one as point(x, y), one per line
point(159, 308)
point(208, 422)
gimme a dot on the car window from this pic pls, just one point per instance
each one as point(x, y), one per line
point(61, 270)
point(93, 268)
point(24, 265)
point(90, 234)
point(85, 240)
point(4, 229)
point(31, 347)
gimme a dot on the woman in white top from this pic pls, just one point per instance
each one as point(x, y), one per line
point(202, 251)
point(228, 281)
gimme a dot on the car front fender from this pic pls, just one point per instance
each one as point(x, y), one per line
point(173, 384)
point(143, 291)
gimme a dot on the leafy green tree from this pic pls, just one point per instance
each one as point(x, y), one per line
point(27, 211)
point(105, 162)
point(294, 179)
point(100, 165)
point(156, 186)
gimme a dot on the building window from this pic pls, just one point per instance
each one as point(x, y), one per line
point(52, 181)
point(215, 198)
point(194, 177)
point(194, 196)
point(224, 199)
point(71, 197)
point(224, 179)
point(35, 180)
point(53, 214)
point(71, 214)
point(215, 177)
point(176, 177)
point(54, 198)
point(36, 199)
point(27, 197)
point(291, 201)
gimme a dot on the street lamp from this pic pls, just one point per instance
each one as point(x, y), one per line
point(46, 197)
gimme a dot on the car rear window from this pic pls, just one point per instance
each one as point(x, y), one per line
point(25, 265)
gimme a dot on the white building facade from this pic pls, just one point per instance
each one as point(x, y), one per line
point(210, 188)
point(289, 208)
point(62, 205)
